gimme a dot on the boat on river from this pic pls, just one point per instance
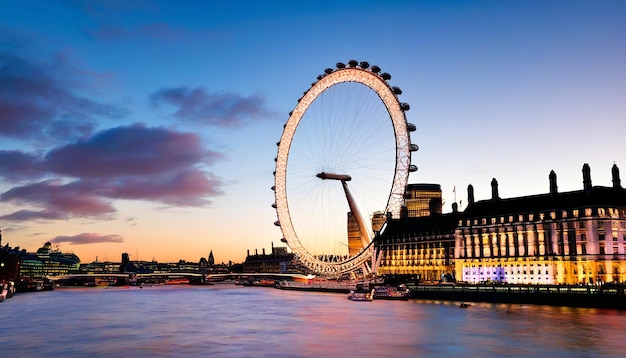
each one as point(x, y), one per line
point(391, 292)
point(318, 286)
point(361, 293)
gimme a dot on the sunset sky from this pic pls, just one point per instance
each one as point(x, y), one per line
point(150, 127)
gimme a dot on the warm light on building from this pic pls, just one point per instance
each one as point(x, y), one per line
point(576, 237)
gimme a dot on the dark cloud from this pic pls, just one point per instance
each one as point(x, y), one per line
point(17, 166)
point(57, 200)
point(33, 215)
point(223, 109)
point(87, 238)
point(134, 162)
point(186, 188)
point(39, 104)
point(39, 101)
point(127, 151)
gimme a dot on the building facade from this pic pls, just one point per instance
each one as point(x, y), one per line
point(423, 200)
point(279, 261)
point(48, 262)
point(421, 242)
point(575, 237)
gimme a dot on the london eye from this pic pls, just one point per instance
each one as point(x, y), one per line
point(342, 168)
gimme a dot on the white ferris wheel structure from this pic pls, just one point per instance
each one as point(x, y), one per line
point(345, 153)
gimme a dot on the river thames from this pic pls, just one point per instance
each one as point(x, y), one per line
point(235, 321)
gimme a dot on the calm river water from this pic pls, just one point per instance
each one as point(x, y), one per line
point(234, 321)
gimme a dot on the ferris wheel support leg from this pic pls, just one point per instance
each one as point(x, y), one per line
point(366, 269)
point(365, 240)
point(376, 257)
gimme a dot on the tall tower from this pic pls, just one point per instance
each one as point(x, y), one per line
point(423, 199)
point(354, 236)
point(211, 259)
point(378, 219)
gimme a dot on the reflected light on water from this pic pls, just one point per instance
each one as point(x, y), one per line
point(234, 321)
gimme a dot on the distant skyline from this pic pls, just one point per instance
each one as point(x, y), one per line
point(150, 127)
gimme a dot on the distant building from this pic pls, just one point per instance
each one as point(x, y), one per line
point(423, 200)
point(421, 242)
point(48, 262)
point(9, 262)
point(211, 260)
point(279, 261)
point(354, 236)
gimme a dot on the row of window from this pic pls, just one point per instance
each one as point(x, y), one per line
point(553, 215)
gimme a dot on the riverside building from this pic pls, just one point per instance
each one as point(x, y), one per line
point(48, 262)
point(574, 237)
point(421, 242)
point(556, 238)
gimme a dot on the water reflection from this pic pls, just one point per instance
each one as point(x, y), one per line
point(238, 321)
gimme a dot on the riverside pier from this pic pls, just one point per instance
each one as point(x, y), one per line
point(604, 296)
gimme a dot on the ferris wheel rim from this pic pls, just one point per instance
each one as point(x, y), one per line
point(395, 199)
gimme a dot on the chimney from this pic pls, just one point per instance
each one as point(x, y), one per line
point(617, 183)
point(553, 187)
point(263, 251)
point(470, 195)
point(455, 208)
point(494, 190)
point(587, 178)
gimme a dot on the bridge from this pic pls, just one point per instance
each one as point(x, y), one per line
point(121, 279)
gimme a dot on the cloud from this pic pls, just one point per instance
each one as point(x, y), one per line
point(128, 151)
point(32, 215)
point(17, 166)
point(186, 188)
point(225, 109)
point(87, 238)
point(81, 178)
point(57, 200)
point(38, 100)
point(133, 162)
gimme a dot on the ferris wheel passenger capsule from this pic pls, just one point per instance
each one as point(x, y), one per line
point(411, 127)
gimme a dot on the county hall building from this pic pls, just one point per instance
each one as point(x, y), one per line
point(571, 237)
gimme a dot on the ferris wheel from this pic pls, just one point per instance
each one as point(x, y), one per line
point(342, 167)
